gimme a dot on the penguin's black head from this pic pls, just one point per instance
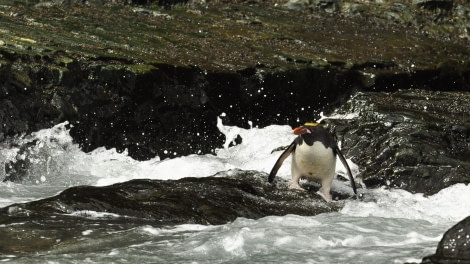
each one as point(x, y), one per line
point(311, 132)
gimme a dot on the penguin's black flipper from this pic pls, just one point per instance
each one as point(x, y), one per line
point(345, 163)
point(280, 160)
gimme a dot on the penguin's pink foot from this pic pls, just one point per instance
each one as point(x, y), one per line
point(325, 195)
point(295, 186)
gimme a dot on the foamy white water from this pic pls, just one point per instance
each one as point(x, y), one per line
point(391, 226)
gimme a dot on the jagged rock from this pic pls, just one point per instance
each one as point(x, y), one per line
point(412, 139)
point(454, 247)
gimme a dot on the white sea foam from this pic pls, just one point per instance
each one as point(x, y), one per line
point(56, 160)
point(94, 215)
point(448, 205)
point(327, 238)
point(337, 116)
point(67, 165)
point(87, 232)
point(391, 226)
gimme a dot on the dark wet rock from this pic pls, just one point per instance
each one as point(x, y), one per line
point(433, 4)
point(212, 200)
point(454, 246)
point(412, 139)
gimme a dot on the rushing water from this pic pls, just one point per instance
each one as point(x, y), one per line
point(393, 227)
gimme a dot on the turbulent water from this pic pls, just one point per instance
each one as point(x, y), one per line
point(393, 226)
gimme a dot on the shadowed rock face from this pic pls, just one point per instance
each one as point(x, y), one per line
point(414, 140)
point(454, 246)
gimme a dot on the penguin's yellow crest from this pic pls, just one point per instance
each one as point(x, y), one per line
point(312, 124)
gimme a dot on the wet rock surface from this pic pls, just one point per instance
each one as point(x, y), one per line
point(454, 246)
point(411, 139)
point(212, 200)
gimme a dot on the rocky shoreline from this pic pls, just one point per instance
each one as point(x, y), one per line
point(152, 76)
point(165, 72)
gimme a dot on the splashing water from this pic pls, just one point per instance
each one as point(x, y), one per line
point(393, 226)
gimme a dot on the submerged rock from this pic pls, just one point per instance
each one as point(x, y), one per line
point(454, 246)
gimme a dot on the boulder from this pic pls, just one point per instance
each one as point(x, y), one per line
point(454, 246)
point(212, 200)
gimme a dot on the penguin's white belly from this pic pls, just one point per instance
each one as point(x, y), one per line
point(313, 162)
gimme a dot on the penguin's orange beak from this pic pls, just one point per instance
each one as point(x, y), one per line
point(301, 130)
